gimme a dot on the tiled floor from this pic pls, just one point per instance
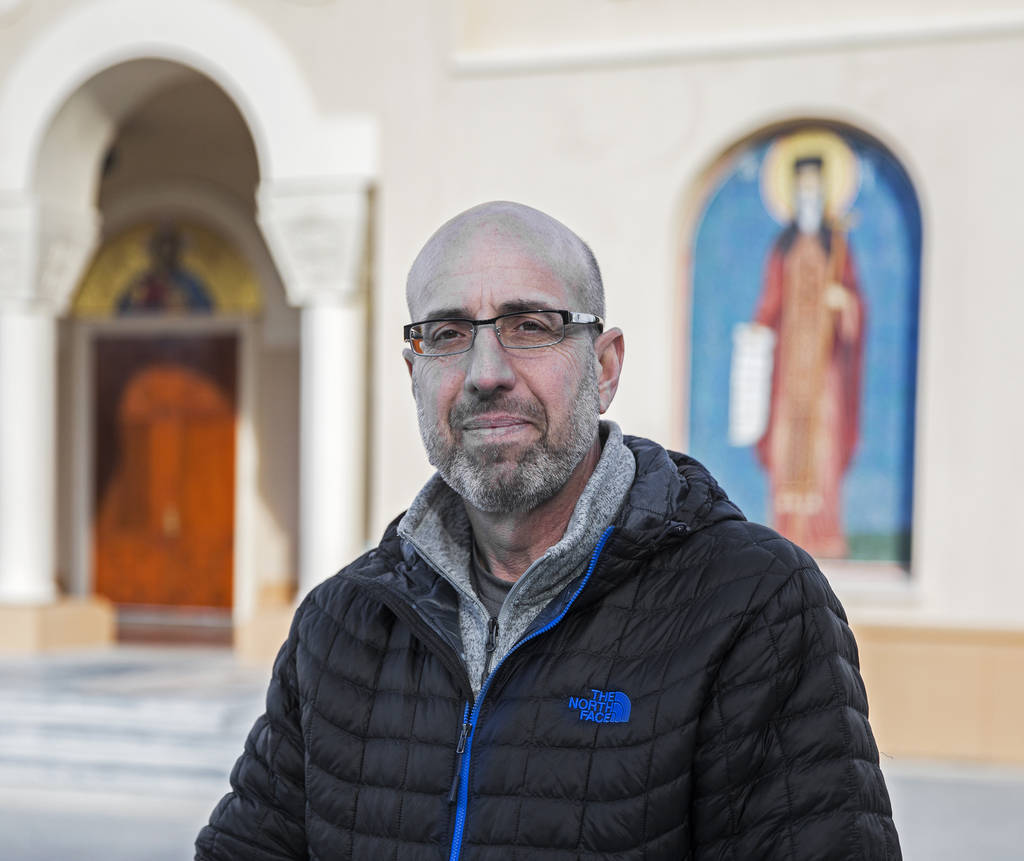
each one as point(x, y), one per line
point(120, 755)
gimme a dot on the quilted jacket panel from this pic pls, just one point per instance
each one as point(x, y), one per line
point(745, 735)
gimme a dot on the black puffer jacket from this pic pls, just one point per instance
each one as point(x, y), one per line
point(695, 695)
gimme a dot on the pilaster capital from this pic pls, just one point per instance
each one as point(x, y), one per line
point(67, 242)
point(317, 234)
point(18, 251)
point(44, 248)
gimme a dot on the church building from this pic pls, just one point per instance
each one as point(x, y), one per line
point(804, 222)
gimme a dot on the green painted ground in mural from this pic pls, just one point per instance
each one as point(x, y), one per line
point(880, 547)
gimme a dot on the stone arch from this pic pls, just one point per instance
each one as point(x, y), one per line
point(234, 49)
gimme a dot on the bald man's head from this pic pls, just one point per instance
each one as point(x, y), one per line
point(546, 239)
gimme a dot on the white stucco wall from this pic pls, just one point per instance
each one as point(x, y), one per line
point(609, 120)
point(614, 150)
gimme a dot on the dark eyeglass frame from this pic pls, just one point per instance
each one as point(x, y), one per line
point(568, 318)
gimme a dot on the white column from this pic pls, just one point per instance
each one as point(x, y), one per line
point(332, 430)
point(28, 386)
point(317, 232)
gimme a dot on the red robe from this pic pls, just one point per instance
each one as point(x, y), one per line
point(816, 385)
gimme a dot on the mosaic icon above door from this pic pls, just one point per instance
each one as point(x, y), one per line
point(167, 268)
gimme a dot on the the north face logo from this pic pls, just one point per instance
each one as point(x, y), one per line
point(602, 706)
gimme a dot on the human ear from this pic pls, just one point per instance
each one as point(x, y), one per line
point(610, 349)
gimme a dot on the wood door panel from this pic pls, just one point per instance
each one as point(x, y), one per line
point(207, 509)
point(165, 470)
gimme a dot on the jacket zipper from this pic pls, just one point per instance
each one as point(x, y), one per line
point(492, 643)
point(460, 785)
point(459, 750)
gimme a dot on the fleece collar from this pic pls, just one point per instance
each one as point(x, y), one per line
point(437, 528)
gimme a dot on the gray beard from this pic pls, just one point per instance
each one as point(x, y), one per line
point(489, 482)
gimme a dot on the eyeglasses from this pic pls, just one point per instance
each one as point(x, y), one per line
point(520, 330)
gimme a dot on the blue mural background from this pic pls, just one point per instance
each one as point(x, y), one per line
point(732, 242)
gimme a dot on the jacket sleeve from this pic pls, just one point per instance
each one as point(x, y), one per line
point(786, 765)
point(263, 817)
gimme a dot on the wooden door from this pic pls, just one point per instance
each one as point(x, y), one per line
point(165, 470)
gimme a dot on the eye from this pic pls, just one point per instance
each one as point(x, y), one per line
point(528, 324)
point(446, 333)
point(531, 324)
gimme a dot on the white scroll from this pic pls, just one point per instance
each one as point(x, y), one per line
point(750, 382)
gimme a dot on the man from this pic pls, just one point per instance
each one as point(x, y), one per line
point(572, 645)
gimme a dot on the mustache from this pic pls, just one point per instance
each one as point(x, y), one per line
point(463, 411)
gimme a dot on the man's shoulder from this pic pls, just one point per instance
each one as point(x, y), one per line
point(671, 490)
point(679, 489)
point(751, 569)
point(678, 507)
point(335, 595)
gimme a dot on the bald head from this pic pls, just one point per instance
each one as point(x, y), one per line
point(544, 238)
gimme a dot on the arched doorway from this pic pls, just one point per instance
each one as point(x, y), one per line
point(97, 75)
point(165, 333)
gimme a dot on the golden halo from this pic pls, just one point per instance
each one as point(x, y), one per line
point(840, 174)
point(122, 259)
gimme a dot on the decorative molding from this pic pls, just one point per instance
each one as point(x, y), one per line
point(317, 235)
point(43, 251)
point(68, 239)
point(730, 45)
point(18, 244)
point(11, 10)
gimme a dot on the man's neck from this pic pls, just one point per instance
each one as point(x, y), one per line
point(510, 543)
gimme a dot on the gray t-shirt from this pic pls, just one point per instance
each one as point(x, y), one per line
point(489, 589)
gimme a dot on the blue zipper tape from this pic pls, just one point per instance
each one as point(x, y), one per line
point(460, 811)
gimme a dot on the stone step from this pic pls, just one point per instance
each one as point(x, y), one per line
point(156, 723)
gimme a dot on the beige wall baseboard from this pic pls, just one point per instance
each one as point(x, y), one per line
point(258, 639)
point(66, 624)
point(948, 693)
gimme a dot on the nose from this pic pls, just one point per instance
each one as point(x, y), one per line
point(489, 367)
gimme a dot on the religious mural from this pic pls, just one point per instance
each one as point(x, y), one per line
point(166, 285)
point(167, 268)
point(806, 270)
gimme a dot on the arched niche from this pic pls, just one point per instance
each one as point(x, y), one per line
point(804, 336)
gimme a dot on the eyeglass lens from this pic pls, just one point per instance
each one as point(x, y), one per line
point(517, 331)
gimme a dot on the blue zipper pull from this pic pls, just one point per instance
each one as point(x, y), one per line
point(460, 749)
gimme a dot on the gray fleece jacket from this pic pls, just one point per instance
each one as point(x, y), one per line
point(439, 531)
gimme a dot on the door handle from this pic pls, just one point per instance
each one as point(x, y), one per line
point(171, 521)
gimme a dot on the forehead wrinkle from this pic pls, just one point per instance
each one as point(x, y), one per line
point(509, 306)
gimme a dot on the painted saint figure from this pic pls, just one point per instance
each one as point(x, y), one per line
point(811, 301)
point(166, 285)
